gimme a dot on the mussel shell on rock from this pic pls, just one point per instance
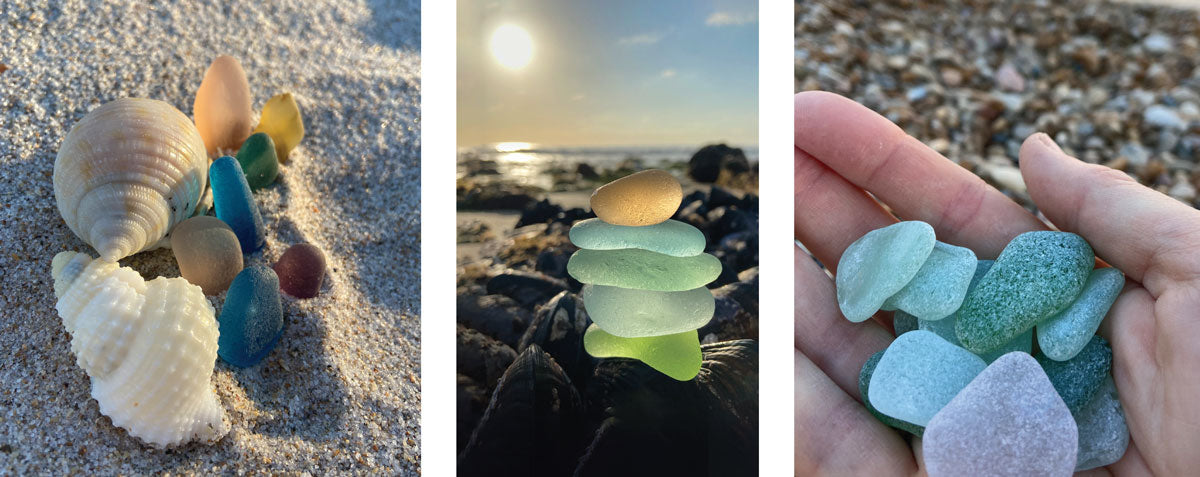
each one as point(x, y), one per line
point(482, 357)
point(654, 425)
point(558, 327)
point(533, 423)
point(527, 288)
point(497, 316)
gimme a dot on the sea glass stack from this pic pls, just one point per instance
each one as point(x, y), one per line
point(644, 275)
point(962, 371)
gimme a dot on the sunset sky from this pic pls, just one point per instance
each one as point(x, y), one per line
point(575, 73)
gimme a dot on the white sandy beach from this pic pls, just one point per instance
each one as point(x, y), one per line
point(341, 391)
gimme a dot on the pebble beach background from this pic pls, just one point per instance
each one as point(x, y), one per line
point(341, 391)
point(1112, 83)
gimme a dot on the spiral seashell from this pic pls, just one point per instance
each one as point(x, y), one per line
point(127, 173)
point(148, 347)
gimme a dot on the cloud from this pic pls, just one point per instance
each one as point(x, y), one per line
point(730, 19)
point(667, 73)
point(640, 39)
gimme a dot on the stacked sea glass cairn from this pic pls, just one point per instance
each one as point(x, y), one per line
point(963, 373)
point(644, 275)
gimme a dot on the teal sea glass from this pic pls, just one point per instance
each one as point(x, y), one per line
point(940, 285)
point(1066, 333)
point(864, 389)
point(235, 204)
point(672, 237)
point(632, 313)
point(251, 320)
point(643, 269)
point(879, 264)
point(918, 374)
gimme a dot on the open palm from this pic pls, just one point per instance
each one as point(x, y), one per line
point(844, 150)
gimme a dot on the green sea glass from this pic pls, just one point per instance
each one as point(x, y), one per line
point(672, 237)
point(1078, 378)
point(631, 313)
point(918, 374)
point(864, 387)
point(258, 161)
point(1103, 433)
point(643, 269)
point(903, 322)
point(879, 264)
point(1065, 334)
point(1037, 275)
point(677, 355)
point(940, 285)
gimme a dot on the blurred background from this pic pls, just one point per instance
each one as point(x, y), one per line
point(1112, 83)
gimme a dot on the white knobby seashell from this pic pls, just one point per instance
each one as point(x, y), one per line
point(127, 173)
point(148, 347)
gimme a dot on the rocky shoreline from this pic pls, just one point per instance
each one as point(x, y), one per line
point(530, 399)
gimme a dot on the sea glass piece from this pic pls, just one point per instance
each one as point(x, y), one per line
point(903, 323)
point(672, 237)
point(1103, 433)
point(643, 269)
point(234, 203)
point(1078, 378)
point(631, 313)
point(940, 285)
point(257, 158)
point(1037, 275)
point(1008, 421)
point(677, 355)
point(222, 107)
point(281, 120)
point(207, 252)
point(251, 320)
point(1064, 334)
point(301, 270)
point(864, 388)
point(879, 264)
point(643, 198)
point(918, 374)
point(945, 329)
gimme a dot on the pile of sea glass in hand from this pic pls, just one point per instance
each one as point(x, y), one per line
point(209, 250)
point(644, 275)
point(962, 372)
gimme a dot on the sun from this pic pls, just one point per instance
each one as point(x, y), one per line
point(512, 46)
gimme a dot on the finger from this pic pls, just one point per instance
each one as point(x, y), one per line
point(830, 212)
point(1132, 463)
point(835, 435)
point(837, 346)
point(912, 179)
point(1147, 235)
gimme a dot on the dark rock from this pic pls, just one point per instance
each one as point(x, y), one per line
point(726, 220)
point(586, 171)
point(497, 316)
point(749, 202)
point(528, 289)
point(493, 197)
point(539, 212)
point(553, 262)
point(655, 425)
point(472, 401)
point(481, 357)
point(533, 423)
point(707, 163)
point(744, 291)
point(730, 321)
point(738, 250)
point(696, 195)
point(719, 197)
point(728, 275)
point(558, 328)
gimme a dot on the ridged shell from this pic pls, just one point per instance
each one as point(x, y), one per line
point(127, 173)
point(148, 347)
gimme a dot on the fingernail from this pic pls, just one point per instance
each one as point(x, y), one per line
point(1045, 139)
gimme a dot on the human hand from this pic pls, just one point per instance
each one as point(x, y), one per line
point(844, 150)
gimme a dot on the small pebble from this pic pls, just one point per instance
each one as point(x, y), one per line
point(1037, 275)
point(940, 285)
point(642, 269)
point(1062, 336)
point(234, 203)
point(879, 264)
point(251, 320)
point(281, 120)
point(258, 160)
point(644, 198)
point(631, 313)
point(207, 252)
point(1008, 421)
point(301, 270)
point(864, 389)
point(1103, 433)
point(1078, 379)
point(918, 374)
point(677, 355)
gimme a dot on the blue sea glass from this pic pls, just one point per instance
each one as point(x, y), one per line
point(251, 320)
point(234, 203)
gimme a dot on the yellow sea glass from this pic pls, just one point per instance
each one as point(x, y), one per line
point(281, 120)
point(677, 355)
point(645, 198)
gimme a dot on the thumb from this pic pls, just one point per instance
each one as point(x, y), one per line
point(1144, 233)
